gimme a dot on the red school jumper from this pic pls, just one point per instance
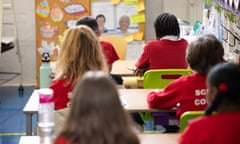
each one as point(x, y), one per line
point(163, 53)
point(186, 93)
point(109, 52)
point(61, 93)
point(221, 128)
point(62, 140)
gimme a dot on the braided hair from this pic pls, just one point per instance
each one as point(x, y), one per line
point(226, 78)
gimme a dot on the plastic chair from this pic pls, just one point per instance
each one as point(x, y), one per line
point(160, 78)
point(119, 44)
point(186, 116)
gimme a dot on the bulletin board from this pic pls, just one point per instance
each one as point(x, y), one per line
point(53, 17)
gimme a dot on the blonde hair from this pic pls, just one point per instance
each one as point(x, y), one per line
point(80, 52)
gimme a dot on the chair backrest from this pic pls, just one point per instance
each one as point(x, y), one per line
point(160, 78)
point(186, 116)
point(119, 44)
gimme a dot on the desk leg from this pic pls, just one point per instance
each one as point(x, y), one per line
point(28, 124)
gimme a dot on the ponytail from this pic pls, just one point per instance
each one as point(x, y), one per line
point(212, 107)
point(222, 90)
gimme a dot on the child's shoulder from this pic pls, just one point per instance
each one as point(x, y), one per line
point(193, 77)
point(216, 118)
point(57, 83)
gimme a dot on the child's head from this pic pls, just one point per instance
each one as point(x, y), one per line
point(96, 113)
point(223, 83)
point(80, 52)
point(204, 53)
point(90, 22)
point(166, 24)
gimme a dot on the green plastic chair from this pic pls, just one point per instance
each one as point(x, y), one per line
point(160, 78)
point(186, 116)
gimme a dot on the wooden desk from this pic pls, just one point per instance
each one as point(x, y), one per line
point(30, 108)
point(120, 67)
point(166, 138)
point(135, 99)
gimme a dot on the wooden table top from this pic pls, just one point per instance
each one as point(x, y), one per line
point(121, 67)
point(134, 98)
point(165, 138)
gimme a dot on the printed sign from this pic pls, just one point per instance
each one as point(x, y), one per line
point(75, 9)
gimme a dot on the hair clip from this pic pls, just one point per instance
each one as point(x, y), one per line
point(223, 87)
point(83, 32)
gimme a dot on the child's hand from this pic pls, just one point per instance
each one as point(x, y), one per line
point(140, 71)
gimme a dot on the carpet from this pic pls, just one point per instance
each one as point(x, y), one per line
point(12, 118)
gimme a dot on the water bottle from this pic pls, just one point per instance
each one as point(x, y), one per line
point(46, 115)
point(45, 71)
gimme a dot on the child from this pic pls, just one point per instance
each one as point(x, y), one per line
point(96, 115)
point(108, 49)
point(167, 51)
point(80, 52)
point(188, 93)
point(223, 97)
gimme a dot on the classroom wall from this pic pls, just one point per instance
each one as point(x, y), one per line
point(25, 14)
point(25, 17)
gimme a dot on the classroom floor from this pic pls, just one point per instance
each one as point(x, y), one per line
point(12, 118)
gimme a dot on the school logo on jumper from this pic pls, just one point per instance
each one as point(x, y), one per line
point(200, 100)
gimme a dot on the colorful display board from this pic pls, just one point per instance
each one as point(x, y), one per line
point(53, 17)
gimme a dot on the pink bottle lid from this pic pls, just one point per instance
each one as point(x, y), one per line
point(45, 95)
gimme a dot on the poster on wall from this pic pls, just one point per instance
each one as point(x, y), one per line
point(53, 18)
point(114, 10)
point(107, 9)
point(129, 10)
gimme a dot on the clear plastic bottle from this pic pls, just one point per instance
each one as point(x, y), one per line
point(46, 115)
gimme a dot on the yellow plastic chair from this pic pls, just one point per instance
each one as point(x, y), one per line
point(119, 44)
point(186, 116)
point(160, 78)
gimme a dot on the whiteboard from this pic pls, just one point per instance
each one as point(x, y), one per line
point(107, 9)
point(129, 10)
point(113, 14)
